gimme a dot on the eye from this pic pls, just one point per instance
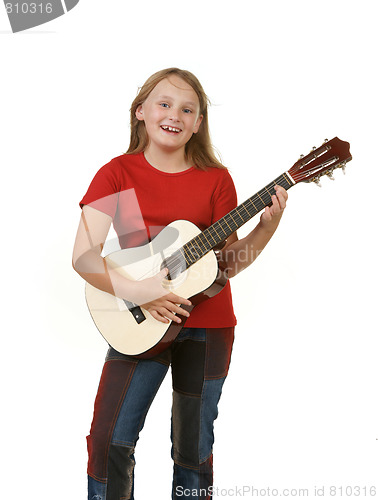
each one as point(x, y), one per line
point(164, 105)
point(187, 110)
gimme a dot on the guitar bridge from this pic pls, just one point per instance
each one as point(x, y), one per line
point(136, 311)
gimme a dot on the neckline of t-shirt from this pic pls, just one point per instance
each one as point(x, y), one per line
point(168, 174)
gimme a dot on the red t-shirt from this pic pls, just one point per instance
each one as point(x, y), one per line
point(142, 200)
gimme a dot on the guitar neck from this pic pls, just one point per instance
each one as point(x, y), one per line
point(231, 222)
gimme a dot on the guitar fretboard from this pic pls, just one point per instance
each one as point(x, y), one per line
point(201, 244)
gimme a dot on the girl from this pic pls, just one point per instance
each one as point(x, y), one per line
point(169, 172)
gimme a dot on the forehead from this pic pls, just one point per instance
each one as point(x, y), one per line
point(176, 88)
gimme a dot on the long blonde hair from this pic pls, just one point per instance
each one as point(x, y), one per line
point(199, 149)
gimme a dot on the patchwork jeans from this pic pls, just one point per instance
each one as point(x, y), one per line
point(199, 360)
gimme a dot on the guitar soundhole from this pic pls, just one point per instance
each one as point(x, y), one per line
point(176, 264)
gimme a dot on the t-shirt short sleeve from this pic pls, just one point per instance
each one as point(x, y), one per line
point(225, 198)
point(103, 191)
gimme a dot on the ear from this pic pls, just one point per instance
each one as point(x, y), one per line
point(197, 124)
point(139, 113)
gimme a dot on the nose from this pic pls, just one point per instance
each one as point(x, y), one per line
point(174, 115)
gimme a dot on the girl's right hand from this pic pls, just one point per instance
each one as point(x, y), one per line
point(161, 305)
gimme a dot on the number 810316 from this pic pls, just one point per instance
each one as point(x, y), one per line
point(26, 8)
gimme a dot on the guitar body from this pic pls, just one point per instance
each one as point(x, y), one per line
point(150, 337)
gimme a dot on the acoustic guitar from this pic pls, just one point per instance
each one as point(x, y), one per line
point(188, 253)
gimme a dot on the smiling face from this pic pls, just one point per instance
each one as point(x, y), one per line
point(171, 114)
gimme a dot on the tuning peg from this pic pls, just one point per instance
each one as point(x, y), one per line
point(325, 140)
point(314, 147)
point(343, 165)
point(317, 181)
point(330, 175)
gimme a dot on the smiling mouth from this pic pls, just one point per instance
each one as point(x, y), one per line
point(172, 130)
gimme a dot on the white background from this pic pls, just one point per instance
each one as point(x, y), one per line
point(299, 408)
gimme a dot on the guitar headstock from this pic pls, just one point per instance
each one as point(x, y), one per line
point(321, 161)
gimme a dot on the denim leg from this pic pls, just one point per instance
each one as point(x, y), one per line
point(193, 438)
point(200, 361)
point(127, 389)
point(96, 489)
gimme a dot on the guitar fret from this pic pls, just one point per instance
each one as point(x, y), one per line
point(270, 193)
point(233, 220)
point(200, 240)
point(230, 224)
point(197, 248)
point(254, 205)
point(215, 229)
point(186, 256)
point(236, 210)
point(208, 230)
point(260, 197)
point(245, 209)
point(193, 249)
point(255, 209)
point(287, 179)
point(224, 227)
point(221, 227)
point(204, 234)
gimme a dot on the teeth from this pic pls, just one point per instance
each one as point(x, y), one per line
point(171, 129)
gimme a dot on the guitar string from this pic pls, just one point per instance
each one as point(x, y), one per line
point(262, 199)
point(176, 264)
point(246, 206)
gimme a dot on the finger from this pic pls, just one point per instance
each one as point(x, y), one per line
point(177, 299)
point(158, 316)
point(275, 208)
point(280, 203)
point(281, 196)
point(174, 307)
point(281, 193)
point(282, 200)
point(167, 313)
point(267, 214)
point(178, 310)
